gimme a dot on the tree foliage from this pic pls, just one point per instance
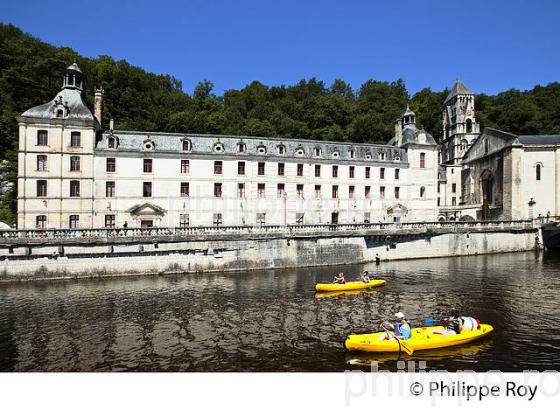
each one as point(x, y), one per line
point(31, 74)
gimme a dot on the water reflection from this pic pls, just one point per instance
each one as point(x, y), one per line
point(471, 353)
point(271, 321)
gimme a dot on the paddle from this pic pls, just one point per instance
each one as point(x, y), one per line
point(408, 349)
point(430, 321)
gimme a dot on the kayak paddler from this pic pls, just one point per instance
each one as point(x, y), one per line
point(400, 329)
point(453, 327)
point(365, 277)
point(339, 279)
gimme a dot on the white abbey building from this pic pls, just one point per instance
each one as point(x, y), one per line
point(73, 174)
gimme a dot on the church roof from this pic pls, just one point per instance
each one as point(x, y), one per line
point(70, 98)
point(458, 89)
point(539, 139)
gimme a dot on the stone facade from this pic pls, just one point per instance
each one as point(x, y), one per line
point(493, 174)
point(506, 176)
point(72, 174)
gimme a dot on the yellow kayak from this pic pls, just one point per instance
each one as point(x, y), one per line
point(336, 287)
point(422, 339)
point(319, 295)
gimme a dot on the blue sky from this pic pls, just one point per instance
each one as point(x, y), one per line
point(491, 45)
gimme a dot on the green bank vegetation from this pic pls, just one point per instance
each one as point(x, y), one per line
point(31, 74)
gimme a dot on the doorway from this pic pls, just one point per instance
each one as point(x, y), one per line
point(334, 218)
point(146, 223)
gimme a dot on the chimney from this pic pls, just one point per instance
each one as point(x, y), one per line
point(398, 132)
point(98, 104)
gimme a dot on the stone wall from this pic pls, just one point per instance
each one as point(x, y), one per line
point(279, 251)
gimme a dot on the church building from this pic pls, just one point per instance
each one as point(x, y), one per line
point(494, 174)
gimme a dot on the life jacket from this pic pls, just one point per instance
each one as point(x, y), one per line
point(455, 324)
point(400, 331)
point(469, 323)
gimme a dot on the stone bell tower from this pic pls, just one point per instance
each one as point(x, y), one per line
point(460, 128)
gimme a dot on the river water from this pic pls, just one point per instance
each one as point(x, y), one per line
point(272, 321)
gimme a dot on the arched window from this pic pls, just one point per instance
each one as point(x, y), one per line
point(422, 160)
point(59, 113)
point(469, 125)
point(538, 172)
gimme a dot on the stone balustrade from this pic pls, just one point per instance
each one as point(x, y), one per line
point(102, 235)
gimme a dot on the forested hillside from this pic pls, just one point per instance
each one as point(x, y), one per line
point(31, 74)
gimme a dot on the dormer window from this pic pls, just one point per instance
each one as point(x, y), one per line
point(187, 146)
point(300, 152)
point(382, 156)
point(219, 148)
point(59, 113)
point(335, 154)
point(317, 151)
point(261, 149)
point(352, 154)
point(241, 147)
point(149, 145)
point(281, 150)
point(367, 156)
point(111, 142)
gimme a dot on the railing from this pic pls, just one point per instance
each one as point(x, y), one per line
point(7, 236)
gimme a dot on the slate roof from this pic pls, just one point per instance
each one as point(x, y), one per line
point(207, 144)
point(408, 111)
point(539, 139)
point(458, 89)
point(71, 98)
point(410, 135)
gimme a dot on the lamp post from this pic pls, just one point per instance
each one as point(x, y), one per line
point(531, 209)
